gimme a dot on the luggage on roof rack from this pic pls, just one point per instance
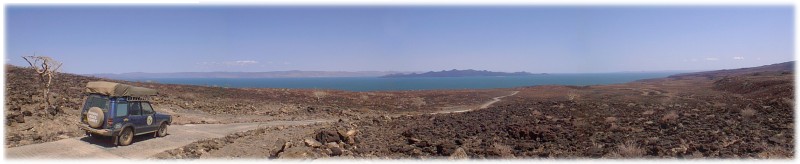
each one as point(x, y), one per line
point(119, 90)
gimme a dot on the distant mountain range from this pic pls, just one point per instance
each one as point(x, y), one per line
point(787, 67)
point(457, 73)
point(275, 74)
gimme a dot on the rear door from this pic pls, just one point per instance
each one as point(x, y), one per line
point(121, 113)
point(138, 120)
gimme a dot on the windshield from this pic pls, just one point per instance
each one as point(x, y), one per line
point(96, 101)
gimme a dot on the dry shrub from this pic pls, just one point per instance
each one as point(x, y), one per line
point(648, 112)
point(610, 119)
point(579, 123)
point(788, 101)
point(503, 150)
point(188, 96)
point(536, 113)
point(671, 117)
point(612, 155)
point(775, 152)
point(630, 150)
point(418, 101)
point(696, 155)
point(320, 94)
point(572, 96)
point(747, 113)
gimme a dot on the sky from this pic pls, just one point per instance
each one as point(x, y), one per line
point(537, 39)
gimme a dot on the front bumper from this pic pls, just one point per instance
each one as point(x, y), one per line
point(102, 132)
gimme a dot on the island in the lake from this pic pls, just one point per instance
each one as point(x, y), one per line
point(457, 73)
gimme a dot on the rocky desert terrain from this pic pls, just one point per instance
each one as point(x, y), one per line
point(28, 121)
point(741, 113)
point(727, 114)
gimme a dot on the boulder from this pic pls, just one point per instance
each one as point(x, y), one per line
point(326, 136)
point(459, 154)
point(331, 145)
point(27, 113)
point(445, 149)
point(312, 143)
point(351, 140)
point(299, 153)
point(351, 133)
point(16, 118)
point(335, 151)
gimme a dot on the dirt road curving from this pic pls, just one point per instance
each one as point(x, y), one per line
point(460, 109)
point(497, 99)
point(143, 147)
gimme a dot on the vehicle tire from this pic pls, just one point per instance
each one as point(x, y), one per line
point(97, 115)
point(162, 130)
point(126, 137)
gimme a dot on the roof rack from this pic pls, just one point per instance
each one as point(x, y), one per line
point(131, 98)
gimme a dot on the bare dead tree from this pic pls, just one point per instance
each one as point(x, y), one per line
point(47, 69)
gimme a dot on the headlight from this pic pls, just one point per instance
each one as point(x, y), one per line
point(117, 126)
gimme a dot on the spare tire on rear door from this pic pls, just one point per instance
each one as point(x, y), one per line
point(95, 117)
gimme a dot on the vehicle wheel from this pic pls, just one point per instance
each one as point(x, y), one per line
point(126, 137)
point(162, 130)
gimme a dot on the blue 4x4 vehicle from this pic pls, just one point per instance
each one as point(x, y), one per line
point(121, 111)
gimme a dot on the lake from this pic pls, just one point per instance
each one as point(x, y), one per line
point(422, 83)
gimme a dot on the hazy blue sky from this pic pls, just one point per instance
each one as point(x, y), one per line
point(104, 39)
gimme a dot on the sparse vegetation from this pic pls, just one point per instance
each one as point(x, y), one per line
point(648, 112)
point(775, 152)
point(46, 68)
point(418, 101)
point(670, 118)
point(502, 150)
point(572, 96)
point(748, 112)
point(320, 94)
point(610, 119)
point(536, 113)
point(630, 150)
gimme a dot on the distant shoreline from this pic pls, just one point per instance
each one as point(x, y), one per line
point(458, 73)
point(411, 83)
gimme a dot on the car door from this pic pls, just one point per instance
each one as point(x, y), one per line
point(121, 114)
point(138, 120)
point(149, 114)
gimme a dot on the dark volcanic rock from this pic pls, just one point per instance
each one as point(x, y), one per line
point(326, 136)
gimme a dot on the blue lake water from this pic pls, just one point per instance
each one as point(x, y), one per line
point(423, 83)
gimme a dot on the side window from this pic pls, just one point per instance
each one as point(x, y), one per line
point(122, 109)
point(135, 108)
point(146, 108)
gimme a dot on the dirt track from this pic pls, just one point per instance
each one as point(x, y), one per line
point(144, 146)
point(470, 108)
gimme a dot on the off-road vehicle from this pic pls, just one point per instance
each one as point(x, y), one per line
point(121, 111)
